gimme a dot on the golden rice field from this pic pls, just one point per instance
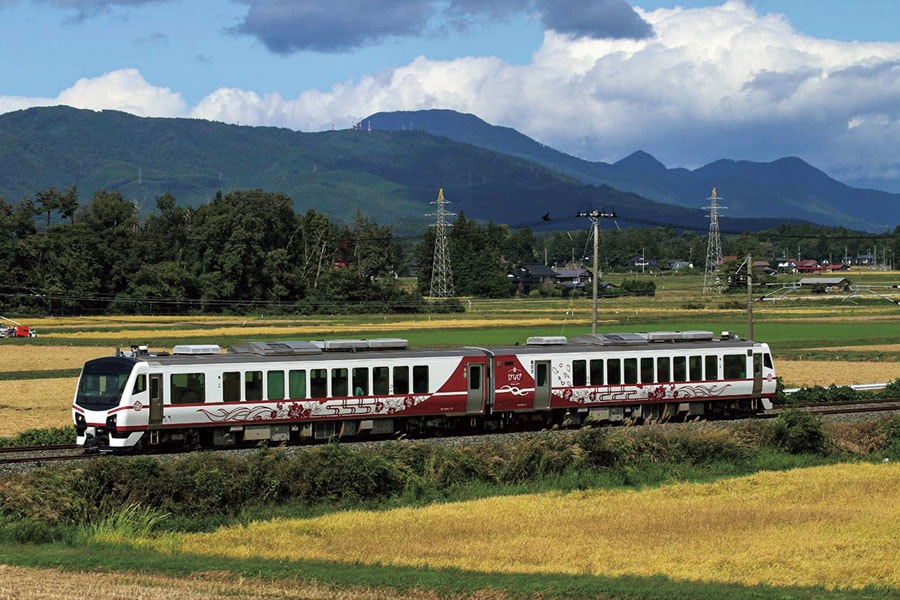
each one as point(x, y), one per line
point(830, 526)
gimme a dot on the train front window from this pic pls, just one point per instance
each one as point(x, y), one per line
point(102, 382)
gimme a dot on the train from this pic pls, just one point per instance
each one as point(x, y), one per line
point(198, 396)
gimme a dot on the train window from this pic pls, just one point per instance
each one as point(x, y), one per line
point(663, 373)
point(540, 379)
point(647, 370)
point(679, 368)
point(613, 371)
point(420, 379)
point(188, 388)
point(735, 366)
point(579, 372)
point(695, 367)
point(275, 385)
point(381, 380)
point(712, 367)
point(297, 383)
point(231, 387)
point(340, 383)
point(361, 381)
point(767, 360)
point(401, 380)
point(140, 384)
point(318, 383)
point(253, 385)
point(597, 371)
point(631, 374)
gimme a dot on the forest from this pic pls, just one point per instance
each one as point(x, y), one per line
point(248, 251)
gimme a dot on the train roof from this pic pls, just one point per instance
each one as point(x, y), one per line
point(393, 348)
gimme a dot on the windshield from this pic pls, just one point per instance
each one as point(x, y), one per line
point(102, 382)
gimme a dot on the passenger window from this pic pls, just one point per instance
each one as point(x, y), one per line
point(275, 385)
point(420, 379)
point(712, 368)
point(679, 368)
point(297, 383)
point(662, 369)
point(188, 388)
point(231, 387)
point(253, 385)
point(318, 383)
point(647, 370)
point(597, 371)
point(339, 383)
point(695, 363)
point(361, 381)
point(735, 366)
point(381, 381)
point(401, 380)
point(579, 372)
point(613, 371)
point(631, 370)
point(140, 384)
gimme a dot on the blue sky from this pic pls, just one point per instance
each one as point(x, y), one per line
point(688, 81)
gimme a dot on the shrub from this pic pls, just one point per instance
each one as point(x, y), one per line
point(536, 457)
point(799, 432)
point(597, 452)
point(889, 438)
point(40, 437)
point(704, 447)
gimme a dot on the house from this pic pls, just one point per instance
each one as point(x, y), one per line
point(865, 259)
point(809, 265)
point(763, 266)
point(828, 284)
point(679, 265)
point(786, 265)
point(573, 279)
point(642, 263)
point(531, 275)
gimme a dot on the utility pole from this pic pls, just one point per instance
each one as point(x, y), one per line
point(595, 216)
point(749, 296)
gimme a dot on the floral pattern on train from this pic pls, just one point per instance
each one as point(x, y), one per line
point(315, 409)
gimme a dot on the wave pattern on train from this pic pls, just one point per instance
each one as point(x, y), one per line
point(198, 396)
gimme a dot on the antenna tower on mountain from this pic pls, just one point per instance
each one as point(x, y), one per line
point(441, 275)
point(711, 280)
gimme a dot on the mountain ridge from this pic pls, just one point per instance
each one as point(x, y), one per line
point(786, 188)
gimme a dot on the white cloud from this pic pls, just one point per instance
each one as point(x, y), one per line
point(125, 90)
point(712, 82)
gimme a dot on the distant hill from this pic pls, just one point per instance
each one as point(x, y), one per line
point(788, 188)
point(391, 176)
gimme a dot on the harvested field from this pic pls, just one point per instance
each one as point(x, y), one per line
point(806, 373)
point(35, 404)
point(23, 583)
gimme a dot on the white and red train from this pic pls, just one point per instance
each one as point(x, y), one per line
point(295, 391)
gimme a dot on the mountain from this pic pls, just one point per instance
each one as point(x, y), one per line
point(393, 177)
point(788, 188)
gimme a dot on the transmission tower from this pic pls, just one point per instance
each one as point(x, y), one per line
point(441, 275)
point(711, 281)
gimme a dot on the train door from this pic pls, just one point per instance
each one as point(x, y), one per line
point(757, 374)
point(541, 384)
point(475, 388)
point(156, 401)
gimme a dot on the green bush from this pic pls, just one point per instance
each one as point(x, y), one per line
point(536, 457)
point(705, 447)
point(799, 432)
point(889, 438)
point(597, 452)
point(40, 437)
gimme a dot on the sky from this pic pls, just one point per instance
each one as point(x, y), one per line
point(689, 81)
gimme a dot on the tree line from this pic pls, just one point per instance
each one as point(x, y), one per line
point(248, 250)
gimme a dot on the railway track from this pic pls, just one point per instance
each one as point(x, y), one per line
point(42, 454)
point(874, 405)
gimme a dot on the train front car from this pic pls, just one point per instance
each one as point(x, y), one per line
point(108, 408)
